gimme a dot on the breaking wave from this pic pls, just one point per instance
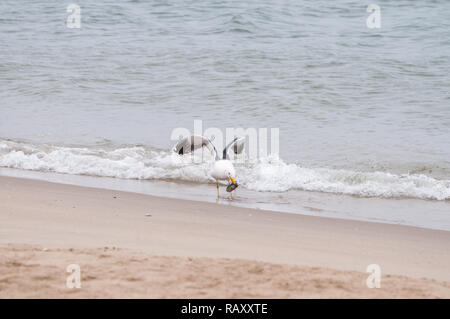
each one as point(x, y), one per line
point(269, 174)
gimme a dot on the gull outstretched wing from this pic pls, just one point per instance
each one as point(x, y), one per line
point(192, 143)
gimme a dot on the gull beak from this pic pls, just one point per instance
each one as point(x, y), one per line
point(232, 186)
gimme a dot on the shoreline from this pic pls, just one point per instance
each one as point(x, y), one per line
point(64, 217)
point(397, 211)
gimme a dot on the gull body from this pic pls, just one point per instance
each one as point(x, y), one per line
point(222, 168)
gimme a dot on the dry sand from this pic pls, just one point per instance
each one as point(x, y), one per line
point(133, 245)
point(36, 272)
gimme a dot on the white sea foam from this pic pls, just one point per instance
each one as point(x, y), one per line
point(268, 174)
point(275, 175)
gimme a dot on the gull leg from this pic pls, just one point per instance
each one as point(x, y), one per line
point(231, 195)
point(217, 186)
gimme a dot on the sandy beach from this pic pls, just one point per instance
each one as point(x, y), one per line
point(134, 245)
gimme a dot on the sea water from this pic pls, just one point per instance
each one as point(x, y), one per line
point(363, 113)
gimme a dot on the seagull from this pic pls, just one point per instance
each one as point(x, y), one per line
point(223, 168)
